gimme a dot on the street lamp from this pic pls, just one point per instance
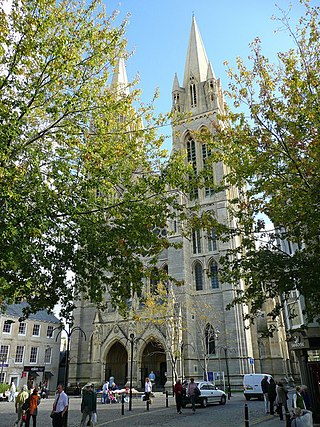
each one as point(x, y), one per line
point(131, 368)
point(69, 334)
point(228, 375)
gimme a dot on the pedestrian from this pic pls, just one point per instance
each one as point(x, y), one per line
point(33, 408)
point(297, 400)
point(192, 394)
point(20, 399)
point(88, 405)
point(152, 377)
point(12, 394)
point(301, 418)
point(265, 388)
point(105, 389)
point(281, 399)
point(178, 395)
point(60, 407)
point(306, 397)
point(147, 390)
point(272, 394)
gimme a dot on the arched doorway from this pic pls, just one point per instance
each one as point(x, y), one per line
point(154, 359)
point(117, 364)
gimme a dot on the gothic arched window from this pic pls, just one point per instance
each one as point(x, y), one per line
point(198, 274)
point(212, 240)
point(192, 158)
point(193, 93)
point(214, 275)
point(210, 339)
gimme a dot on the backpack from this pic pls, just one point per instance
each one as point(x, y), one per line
point(26, 404)
point(197, 392)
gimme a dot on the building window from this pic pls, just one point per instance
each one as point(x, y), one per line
point(7, 327)
point(212, 241)
point(207, 170)
point(50, 332)
point(210, 340)
point(193, 94)
point(196, 241)
point(198, 276)
point(33, 355)
point(192, 158)
point(22, 328)
point(4, 353)
point(47, 355)
point(214, 275)
point(36, 330)
point(19, 354)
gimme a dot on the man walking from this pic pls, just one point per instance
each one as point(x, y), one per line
point(20, 399)
point(265, 389)
point(105, 389)
point(60, 407)
point(88, 404)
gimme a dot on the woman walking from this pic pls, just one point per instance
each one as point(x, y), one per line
point(281, 399)
point(178, 395)
point(33, 408)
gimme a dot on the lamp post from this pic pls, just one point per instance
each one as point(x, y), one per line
point(131, 368)
point(66, 376)
point(228, 375)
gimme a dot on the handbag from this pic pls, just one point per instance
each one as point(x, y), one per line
point(24, 417)
point(52, 414)
point(94, 418)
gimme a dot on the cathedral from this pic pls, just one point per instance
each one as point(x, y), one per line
point(209, 341)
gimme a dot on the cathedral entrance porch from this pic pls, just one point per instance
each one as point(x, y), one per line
point(154, 359)
point(117, 364)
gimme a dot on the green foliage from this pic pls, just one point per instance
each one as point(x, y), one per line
point(4, 387)
point(274, 154)
point(82, 183)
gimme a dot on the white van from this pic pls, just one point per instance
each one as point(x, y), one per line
point(252, 385)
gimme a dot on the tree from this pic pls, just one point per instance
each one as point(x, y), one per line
point(273, 153)
point(205, 333)
point(82, 184)
point(160, 309)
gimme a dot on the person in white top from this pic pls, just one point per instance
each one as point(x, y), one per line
point(12, 395)
point(60, 407)
point(147, 389)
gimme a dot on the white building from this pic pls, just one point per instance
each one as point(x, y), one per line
point(29, 348)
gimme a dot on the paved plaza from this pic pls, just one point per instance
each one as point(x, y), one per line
point(230, 415)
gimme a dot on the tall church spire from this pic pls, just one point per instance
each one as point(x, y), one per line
point(119, 79)
point(197, 60)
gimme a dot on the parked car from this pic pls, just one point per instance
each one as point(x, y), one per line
point(209, 394)
point(252, 385)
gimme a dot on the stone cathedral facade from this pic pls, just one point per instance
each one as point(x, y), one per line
point(114, 346)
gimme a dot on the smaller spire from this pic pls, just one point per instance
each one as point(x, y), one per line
point(119, 78)
point(210, 72)
point(176, 85)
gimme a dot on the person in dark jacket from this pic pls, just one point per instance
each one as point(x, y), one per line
point(272, 394)
point(265, 388)
point(88, 404)
point(281, 399)
point(178, 395)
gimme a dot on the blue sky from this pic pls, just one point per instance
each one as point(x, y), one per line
point(158, 32)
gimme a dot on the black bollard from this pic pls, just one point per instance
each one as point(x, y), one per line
point(148, 404)
point(122, 404)
point(167, 399)
point(246, 416)
point(288, 420)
